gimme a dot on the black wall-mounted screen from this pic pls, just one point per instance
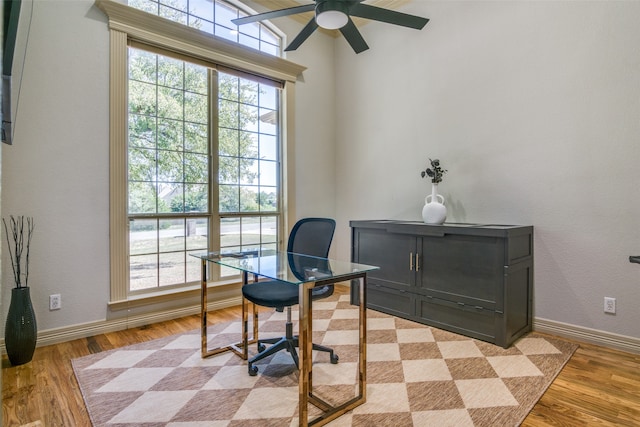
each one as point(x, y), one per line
point(10, 17)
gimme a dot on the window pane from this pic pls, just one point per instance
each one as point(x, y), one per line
point(195, 108)
point(170, 134)
point(268, 147)
point(196, 78)
point(228, 113)
point(143, 237)
point(196, 168)
point(197, 234)
point(267, 121)
point(142, 197)
point(171, 235)
point(268, 173)
point(252, 29)
point(170, 166)
point(269, 49)
point(170, 103)
point(268, 97)
point(229, 170)
point(269, 229)
point(248, 144)
point(195, 138)
point(142, 66)
point(196, 198)
point(142, 164)
point(249, 41)
point(228, 86)
point(268, 199)
point(251, 231)
point(229, 198)
point(229, 232)
point(269, 36)
point(224, 14)
point(142, 98)
point(228, 142)
point(248, 92)
point(172, 268)
point(248, 198)
point(170, 197)
point(201, 8)
point(249, 118)
point(249, 173)
point(142, 131)
point(170, 72)
point(143, 272)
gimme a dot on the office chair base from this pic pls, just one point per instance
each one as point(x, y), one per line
point(288, 343)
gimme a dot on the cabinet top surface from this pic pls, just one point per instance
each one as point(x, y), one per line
point(448, 227)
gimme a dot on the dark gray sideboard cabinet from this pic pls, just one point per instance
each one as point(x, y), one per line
point(472, 279)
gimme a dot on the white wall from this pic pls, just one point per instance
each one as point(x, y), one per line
point(58, 168)
point(533, 108)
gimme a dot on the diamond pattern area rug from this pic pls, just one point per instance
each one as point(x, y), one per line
point(416, 376)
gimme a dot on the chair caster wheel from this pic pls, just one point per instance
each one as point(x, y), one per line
point(334, 358)
point(253, 370)
point(261, 347)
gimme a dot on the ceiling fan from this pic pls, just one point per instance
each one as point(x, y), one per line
point(336, 14)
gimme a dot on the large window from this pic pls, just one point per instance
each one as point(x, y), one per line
point(196, 148)
point(173, 131)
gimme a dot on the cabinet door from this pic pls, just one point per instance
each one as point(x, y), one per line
point(393, 253)
point(463, 269)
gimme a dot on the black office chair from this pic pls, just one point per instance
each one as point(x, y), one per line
point(309, 236)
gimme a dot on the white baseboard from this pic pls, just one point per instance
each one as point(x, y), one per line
point(592, 336)
point(69, 333)
point(73, 332)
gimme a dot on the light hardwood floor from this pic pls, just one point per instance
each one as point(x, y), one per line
point(598, 386)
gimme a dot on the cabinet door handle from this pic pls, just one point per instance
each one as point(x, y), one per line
point(417, 262)
point(410, 261)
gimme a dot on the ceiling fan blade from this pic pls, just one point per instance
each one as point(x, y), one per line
point(303, 35)
point(389, 16)
point(353, 36)
point(274, 14)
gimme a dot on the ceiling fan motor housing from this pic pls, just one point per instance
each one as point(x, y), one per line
point(332, 14)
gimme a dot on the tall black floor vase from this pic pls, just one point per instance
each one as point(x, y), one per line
point(20, 332)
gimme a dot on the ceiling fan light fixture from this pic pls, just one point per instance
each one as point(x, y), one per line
point(331, 14)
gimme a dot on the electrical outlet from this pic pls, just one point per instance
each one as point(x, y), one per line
point(55, 302)
point(609, 305)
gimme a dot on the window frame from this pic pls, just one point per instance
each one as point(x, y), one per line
point(126, 25)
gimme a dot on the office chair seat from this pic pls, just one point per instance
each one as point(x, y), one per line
point(279, 295)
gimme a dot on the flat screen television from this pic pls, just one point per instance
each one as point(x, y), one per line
point(10, 16)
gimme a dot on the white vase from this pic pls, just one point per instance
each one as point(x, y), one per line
point(434, 210)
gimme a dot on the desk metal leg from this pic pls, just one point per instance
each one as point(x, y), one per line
point(241, 348)
point(330, 412)
point(203, 309)
point(362, 363)
point(305, 337)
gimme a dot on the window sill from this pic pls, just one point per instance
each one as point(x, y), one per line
point(150, 298)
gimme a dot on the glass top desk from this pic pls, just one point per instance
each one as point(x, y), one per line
point(306, 272)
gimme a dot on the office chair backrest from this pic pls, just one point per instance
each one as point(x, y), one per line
point(312, 236)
